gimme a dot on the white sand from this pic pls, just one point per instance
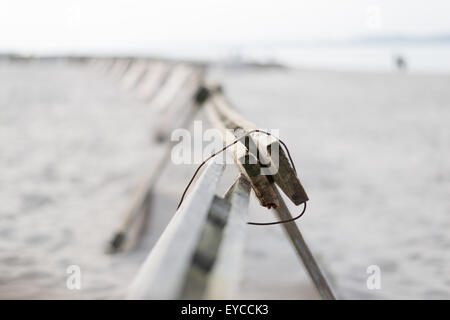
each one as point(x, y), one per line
point(371, 150)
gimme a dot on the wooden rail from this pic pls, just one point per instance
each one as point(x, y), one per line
point(182, 265)
point(203, 260)
point(220, 113)
point(140, 206)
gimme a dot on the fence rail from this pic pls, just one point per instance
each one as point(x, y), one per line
point(199, 253)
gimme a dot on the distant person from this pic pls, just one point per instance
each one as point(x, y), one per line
point(400, 63)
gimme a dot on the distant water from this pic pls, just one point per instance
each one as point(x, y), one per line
point(427, 58)
point(419, 58)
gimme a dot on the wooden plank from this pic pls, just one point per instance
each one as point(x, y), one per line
point(216, 258)
point(279, 167)
point(224, 108)
point(234, 120)
point(108, 65)
point(153, 79)
point(162, 274)
point(179, 108)
point(204, 256)
point(115, 63)
point(127, 63)
point(118, 69)
point(224, 278)
point(246, 162)
point(286, 178)
point(301, 248)
point(172, 86)
point(134, 74)
point(140, 204)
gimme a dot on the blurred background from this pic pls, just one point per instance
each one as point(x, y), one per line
point(346, 35)
point(358, 89)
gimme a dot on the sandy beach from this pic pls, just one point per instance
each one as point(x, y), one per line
point(371, 149)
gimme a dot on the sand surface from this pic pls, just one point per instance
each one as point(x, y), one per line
point(372, 151)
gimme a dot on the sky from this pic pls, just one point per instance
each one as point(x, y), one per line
point(148, 26)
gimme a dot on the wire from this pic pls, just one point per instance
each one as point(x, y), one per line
point(225, 148)
point(281, 221)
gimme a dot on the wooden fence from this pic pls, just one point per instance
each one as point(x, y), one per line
point(202, 261)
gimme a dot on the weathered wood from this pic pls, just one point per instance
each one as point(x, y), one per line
point(179, 108)
point(153, 79)
point(116, 64)
point(140, 204)
point(172, 86)
point(211, 265)
point(224, 108)
point(246, 162)
point(119, 68)
point(285, 176)
point(126, 65)
point(279, 167)
point(162, 274)
point(205, 253)
point(303, 251)
point(203, 259)
point(134, 75)
point(224, 278)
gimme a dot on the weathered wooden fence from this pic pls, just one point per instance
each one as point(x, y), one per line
point(202, 261)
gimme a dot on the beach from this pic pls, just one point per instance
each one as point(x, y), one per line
point(371, 150)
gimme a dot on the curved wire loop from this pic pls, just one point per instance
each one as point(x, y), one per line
point(225, 148)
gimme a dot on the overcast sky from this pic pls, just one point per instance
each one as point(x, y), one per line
point(129, 25)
